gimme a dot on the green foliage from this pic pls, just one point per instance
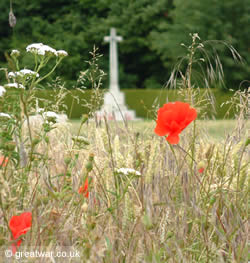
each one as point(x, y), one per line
point(144, 102)
point(152, 32)
point(216, 20)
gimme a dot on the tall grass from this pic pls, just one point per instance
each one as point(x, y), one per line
point(177, 203)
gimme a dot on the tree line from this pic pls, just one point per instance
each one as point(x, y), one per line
point(155, 34)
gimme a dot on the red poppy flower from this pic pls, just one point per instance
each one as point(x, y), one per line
point(172, 119)
point(3, 161)
point(19, 225)
point(201, 170)
point(84, 189)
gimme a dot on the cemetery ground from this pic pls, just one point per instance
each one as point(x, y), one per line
point(216, 130)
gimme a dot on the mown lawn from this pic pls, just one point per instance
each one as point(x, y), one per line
point(215, 130)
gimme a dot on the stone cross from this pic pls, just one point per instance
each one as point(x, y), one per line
point(113, 60)
point(114, 107)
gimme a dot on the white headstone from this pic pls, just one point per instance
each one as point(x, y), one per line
point(114, 107)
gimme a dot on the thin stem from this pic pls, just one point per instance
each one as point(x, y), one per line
point(48, 74)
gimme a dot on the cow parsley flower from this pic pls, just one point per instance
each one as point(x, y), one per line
point(14, 85)
point(51, 116)
point(127, 171)
point(49, 50)
point(61, 53)
point(11, 75)
point(35, 48)
point(41, 49)
point(23, 73)
point(2, 90)
point(4, 116)
point(15, 53)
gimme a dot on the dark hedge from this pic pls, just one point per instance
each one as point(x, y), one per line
point(144, 102)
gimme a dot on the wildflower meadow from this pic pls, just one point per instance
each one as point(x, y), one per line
point(108, 192)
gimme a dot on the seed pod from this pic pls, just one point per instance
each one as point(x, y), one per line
point(12, 19)
point(91, 157)
point(10, 146)
point(89, 166)
point(67, 160)
point(247, 142)
point(209, 151)
point(212, 200)
point(85, 117)
point(35, 141)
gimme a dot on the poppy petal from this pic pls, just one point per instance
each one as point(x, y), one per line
point(160, 130)
point(172, 118)
point(19, 225)
point(173, 138)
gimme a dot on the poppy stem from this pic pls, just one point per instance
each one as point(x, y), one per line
point(178, 146)
point(172, 149)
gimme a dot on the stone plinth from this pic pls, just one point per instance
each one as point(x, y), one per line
point(114, 108)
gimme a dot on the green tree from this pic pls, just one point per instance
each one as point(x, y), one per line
point(152, 33)
point(78, 25)
point(212, 20)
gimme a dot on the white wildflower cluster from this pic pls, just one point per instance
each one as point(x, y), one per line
point(42, 50)
point(11, 75)
point(4, 116)
point(61, 53)
point(14, 85)
point(51, 116)
point(23, 73)
point(2, 90)
point(15, 53)
point(127, 171)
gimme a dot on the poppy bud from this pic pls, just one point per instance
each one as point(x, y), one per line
point(212, 200)
point(35, 141)
point(147, 222)
point(91, 157)
point(84, 118)
point(89, 166)
point(67, 160)
point(15, 53)
point(201, 166)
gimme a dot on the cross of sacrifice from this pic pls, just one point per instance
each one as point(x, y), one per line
point(114, 107)
point(113, 60)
